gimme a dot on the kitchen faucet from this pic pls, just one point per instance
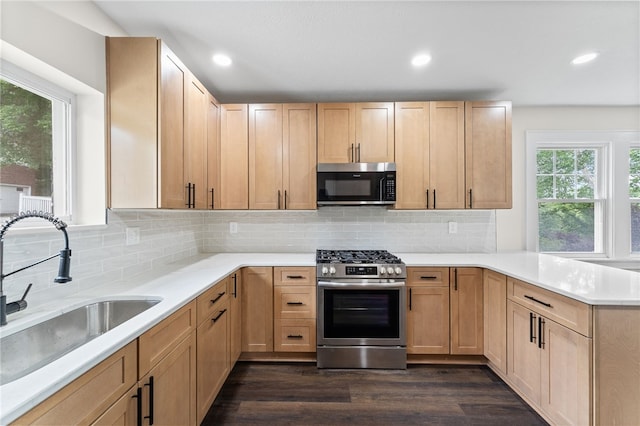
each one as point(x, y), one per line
point(63, 269)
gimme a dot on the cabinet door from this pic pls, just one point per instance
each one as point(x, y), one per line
point(374, 132)
point(446, 155)
point(428, 320)
point(235, 329)
point(195, 144)
point(565, 387)
point(234, 157)
point(169, 390)
point(257, 309)
point(173, 81)
point(523, 364)
point(336, 133)
point(213, 357)
point(265, 156)
point(213, 153)
point(495, 319)
point(412, 155)
point(488, 154)
point(299, 156)
point(466, 297)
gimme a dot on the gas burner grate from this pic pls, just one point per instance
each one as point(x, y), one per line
point(356, 256)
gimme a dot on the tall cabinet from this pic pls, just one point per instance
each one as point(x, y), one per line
point(234, 157)
point(157, 132)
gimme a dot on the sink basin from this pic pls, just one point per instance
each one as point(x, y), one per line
point(32, 348)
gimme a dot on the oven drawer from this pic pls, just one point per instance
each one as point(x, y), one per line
point(431, 277)
point(294, 276)
point(294, 302)
point(295, 335)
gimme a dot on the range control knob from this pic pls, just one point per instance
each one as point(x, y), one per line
point(390, 270)
point(325, 270)
point(398, 270)
point(382, 270)
point(332, 270)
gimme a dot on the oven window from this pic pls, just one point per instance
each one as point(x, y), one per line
point(361, 313)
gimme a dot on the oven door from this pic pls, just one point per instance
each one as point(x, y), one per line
point(362, 313)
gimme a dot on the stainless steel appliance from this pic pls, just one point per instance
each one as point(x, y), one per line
point(361, 309)
point(356, 184)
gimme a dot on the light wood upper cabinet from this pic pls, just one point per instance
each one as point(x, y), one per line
point(234, 157)
point(360, 132)
point(466, 297)
point(213, 153)
point(282, 159)
point(157, 127)
point(495, 319)
point(488, 154)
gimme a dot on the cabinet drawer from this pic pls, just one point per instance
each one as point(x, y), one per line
point(564, 310)
point(209, 301)
point(86, 398)
point(432, 277)
point(294, 302)
point(156, 343)
point(295, 335)
point(294, 275)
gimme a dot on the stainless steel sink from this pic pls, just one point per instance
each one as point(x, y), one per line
point(32, 348)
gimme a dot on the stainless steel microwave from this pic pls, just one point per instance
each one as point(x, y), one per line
point(351, 184)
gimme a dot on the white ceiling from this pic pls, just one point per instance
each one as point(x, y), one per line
point(321, 51)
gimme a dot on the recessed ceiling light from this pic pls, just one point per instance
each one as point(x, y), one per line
point(421, 60)
point(222, 60)
point(583, 59)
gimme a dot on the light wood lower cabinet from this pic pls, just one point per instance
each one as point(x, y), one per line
point(257, 309)
point(495, 319)
point(294, 308)
point(428, 311)
point(234, 282)
point(466, 297)
point(86, 398)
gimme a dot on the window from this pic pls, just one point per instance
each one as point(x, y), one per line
point(570, 213)
point(35, 123)
point(583, 193)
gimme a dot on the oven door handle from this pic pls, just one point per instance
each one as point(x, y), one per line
point(336, 284)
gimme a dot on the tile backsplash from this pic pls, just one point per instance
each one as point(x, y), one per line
point(101, 255)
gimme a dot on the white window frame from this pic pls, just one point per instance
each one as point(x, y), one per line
point(632, 145)
point(63, 136)
point(616, 240)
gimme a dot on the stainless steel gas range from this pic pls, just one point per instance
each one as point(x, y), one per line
point(361, 309)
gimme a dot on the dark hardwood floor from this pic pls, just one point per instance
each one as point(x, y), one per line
point(300, 394)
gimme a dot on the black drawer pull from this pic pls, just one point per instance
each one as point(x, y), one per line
point(218, 297)
point(219, 315)
point(295, 277)
point(295, 303)
point(138, 397)
point(428, 277)
point(548, 305)
point(532, 327)
point(541, 332)
point(150, 416)
point(294, 336)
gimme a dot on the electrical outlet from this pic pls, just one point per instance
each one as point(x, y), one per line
point(453, 227)
point(233, 227)
point(133, 236)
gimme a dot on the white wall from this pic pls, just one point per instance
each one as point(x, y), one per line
point(510, 224)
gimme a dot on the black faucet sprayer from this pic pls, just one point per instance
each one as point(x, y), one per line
point(63, 268)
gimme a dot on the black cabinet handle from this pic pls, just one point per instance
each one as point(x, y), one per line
point(294, 336)
point(150, 416)
point(188, 195)
point(193, 199)
point(295, 277)
point(212, 199)
point(455, 279)
point(434, 198)
point(218, 297)
point(353, 156)
point(410, 297)
point(219, 315)
point(548, 305)
point(285, 199)
point(138, 397)
point(428, 277)
point(358, 151)
point(540, 332)
point(278, 199)
point(532, 327)
point(427, 191)
point(235, 286)
point(295, 303)
point(470, 198)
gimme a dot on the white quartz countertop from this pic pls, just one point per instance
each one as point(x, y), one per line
point(179, 283)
